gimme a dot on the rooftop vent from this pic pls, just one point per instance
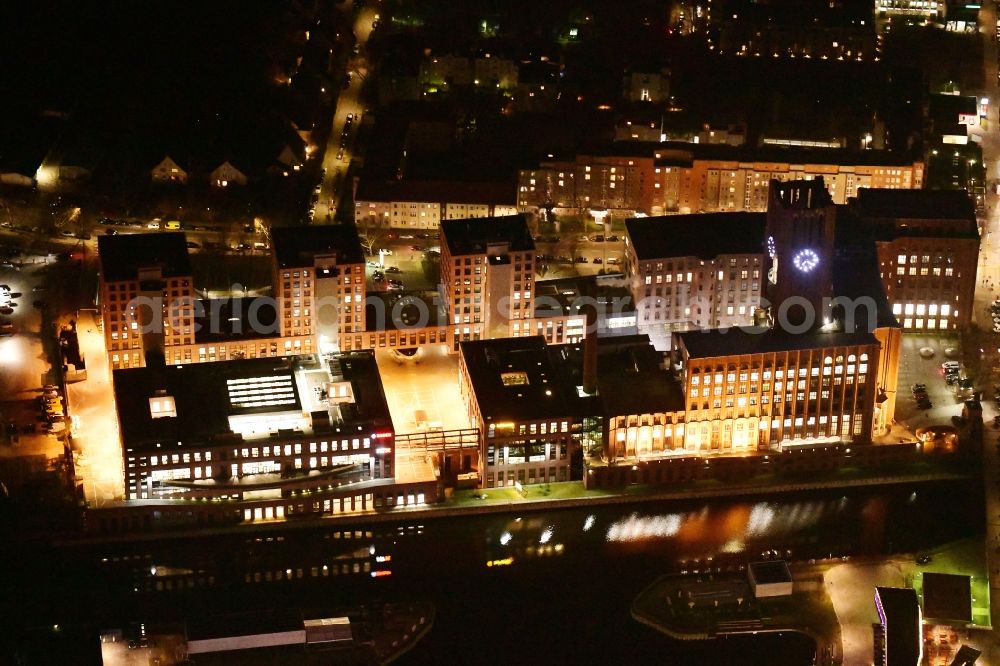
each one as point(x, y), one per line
point(162, 405)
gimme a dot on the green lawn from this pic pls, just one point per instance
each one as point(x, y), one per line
point(532, 493)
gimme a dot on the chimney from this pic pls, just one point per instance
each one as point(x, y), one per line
point(589, 290)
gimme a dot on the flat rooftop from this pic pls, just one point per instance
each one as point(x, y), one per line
point(199, 403)
point(124, 255)
point(702, 235)
point(899, 611)
point(947, 597)
point(561, 296)
point(244, 624)
point(520, 379)
point(769, 573)
point(950, 106)
point(915, 204)
point(298, 247)
point(759, 340)
point(632, 377)
point(476, 235)
point(856, 276)
point(682, 153)
point(229, 319)
point(404, 311)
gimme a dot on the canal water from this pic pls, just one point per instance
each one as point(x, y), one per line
point(539, 587)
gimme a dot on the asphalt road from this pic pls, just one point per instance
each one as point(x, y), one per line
point(334, 182)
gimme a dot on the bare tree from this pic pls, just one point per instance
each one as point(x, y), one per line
point(371, 239)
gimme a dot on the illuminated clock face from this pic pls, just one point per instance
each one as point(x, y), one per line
point(805, 260)
point(771, 249)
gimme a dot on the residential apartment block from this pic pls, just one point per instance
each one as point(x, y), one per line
point(412, 204)
point(689, 272)
point(146, 296)
point(319, 284)
point(487, 272)
point(655, 179)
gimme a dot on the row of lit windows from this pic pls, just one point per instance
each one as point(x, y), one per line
point(267, 451)
point(696, 376)
point(177, 458)
point(924, 259)
point(532, 429)
point(788, 389)
point(948, 272)
point(920, 309)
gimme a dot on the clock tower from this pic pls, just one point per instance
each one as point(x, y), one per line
point(801, 218)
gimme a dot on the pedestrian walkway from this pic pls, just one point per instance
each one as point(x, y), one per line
point(92, 408)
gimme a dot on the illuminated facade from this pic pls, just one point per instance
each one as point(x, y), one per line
point(801, 220)
point(691, 272)
point(532, 419)
point(683, 178)
point(231, 429)
point(487, 271)
point(411, 204)
point(928, 252)
point(929, 9)
point(756, 390)
point(642, 401)
point(149, 305)
point(146, 296)
point(320, 265)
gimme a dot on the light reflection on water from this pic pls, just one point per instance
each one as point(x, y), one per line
point(725, 525)
point(635, 528)
point(731, 532)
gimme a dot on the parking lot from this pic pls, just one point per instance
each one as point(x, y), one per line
point(24, 365)
point(925, 368)
point(423, 392)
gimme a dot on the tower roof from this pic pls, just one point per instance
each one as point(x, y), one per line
point(800, 194)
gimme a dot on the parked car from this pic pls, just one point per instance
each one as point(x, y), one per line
point(392, 269)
